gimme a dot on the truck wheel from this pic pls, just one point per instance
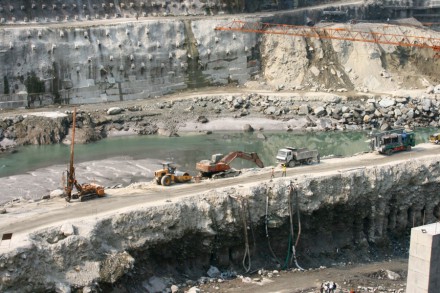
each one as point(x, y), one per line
point(309, 161)
point(408, 148)
point(166, 180)
point(388, 152)
point(292, 164)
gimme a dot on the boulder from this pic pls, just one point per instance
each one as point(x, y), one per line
point(319, 111)
point(437, 89)
point(386, 102)
point(213, 272)
point(57, 193)
point(202, 119)
point(303, 109)
point(385, 126)
point(367, 119)
point(426, 104)
point(248, 128)
point(392, 275)
point(2, 211)
point(115, 266)
point(67, 229)
point(114, 111)
point(270, 110)
point(166, 132)
point(174, 289)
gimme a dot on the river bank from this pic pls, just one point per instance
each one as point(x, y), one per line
point(238, 110)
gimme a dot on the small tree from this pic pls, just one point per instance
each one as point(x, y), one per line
point(5, 85)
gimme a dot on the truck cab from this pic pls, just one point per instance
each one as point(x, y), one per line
point(292, 156)
point(284, 155)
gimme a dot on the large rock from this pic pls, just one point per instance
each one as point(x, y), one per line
point(114, 111)
point(67, 229)
point(303, 109)
point(319, 111)
point(248, 128)
point(385, 103)
point(57, 193)
point(392, 275)
point(426, 104)
point(213, 272)
point(437, 89)
point(115, 266)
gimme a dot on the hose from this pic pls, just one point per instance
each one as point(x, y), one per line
point(299, 229)
point(291, 223)
point(246, 249)
point(267, 232)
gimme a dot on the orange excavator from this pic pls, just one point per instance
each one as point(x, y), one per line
point(219, 165)
point(85, 191)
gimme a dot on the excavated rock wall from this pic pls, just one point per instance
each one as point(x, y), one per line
point(123, 61)
point(81, 62)
point(351, 215)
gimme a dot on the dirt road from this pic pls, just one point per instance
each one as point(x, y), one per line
point(25, 217)
point(360, 277)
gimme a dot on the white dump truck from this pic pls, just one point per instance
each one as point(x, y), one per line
point(291, 156)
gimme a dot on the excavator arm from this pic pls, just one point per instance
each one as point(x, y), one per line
point(253, 157)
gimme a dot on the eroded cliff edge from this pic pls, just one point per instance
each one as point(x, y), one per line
point(356, 215)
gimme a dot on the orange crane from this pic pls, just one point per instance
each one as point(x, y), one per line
point(85, 190)
point(332, 33)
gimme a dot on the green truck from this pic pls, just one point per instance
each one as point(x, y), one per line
point(391, 141)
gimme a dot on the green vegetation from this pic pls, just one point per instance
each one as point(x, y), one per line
point(33, 84)
point(5, 85)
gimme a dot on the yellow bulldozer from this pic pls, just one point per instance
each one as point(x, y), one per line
point(169, 175)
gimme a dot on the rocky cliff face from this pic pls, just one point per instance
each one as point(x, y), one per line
point(76, 61)
point(352, 215)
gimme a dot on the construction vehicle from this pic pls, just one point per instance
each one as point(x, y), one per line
point(169, 175)
point(388, 142)
point(434, 138)
point(219, 165)
point(84, 191)
point(290, 156)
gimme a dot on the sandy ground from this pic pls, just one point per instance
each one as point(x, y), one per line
point(359, 277)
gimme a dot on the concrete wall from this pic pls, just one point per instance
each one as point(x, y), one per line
point(424, 260)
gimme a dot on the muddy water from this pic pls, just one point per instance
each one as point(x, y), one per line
point(189, 149)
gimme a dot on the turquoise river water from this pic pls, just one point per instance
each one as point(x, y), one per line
point(186, 150)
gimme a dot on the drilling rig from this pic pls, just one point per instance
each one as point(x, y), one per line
point(84, 191)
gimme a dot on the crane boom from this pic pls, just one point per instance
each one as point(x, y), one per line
point(332, 33)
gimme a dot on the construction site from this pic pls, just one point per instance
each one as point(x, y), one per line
point(282, 146)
